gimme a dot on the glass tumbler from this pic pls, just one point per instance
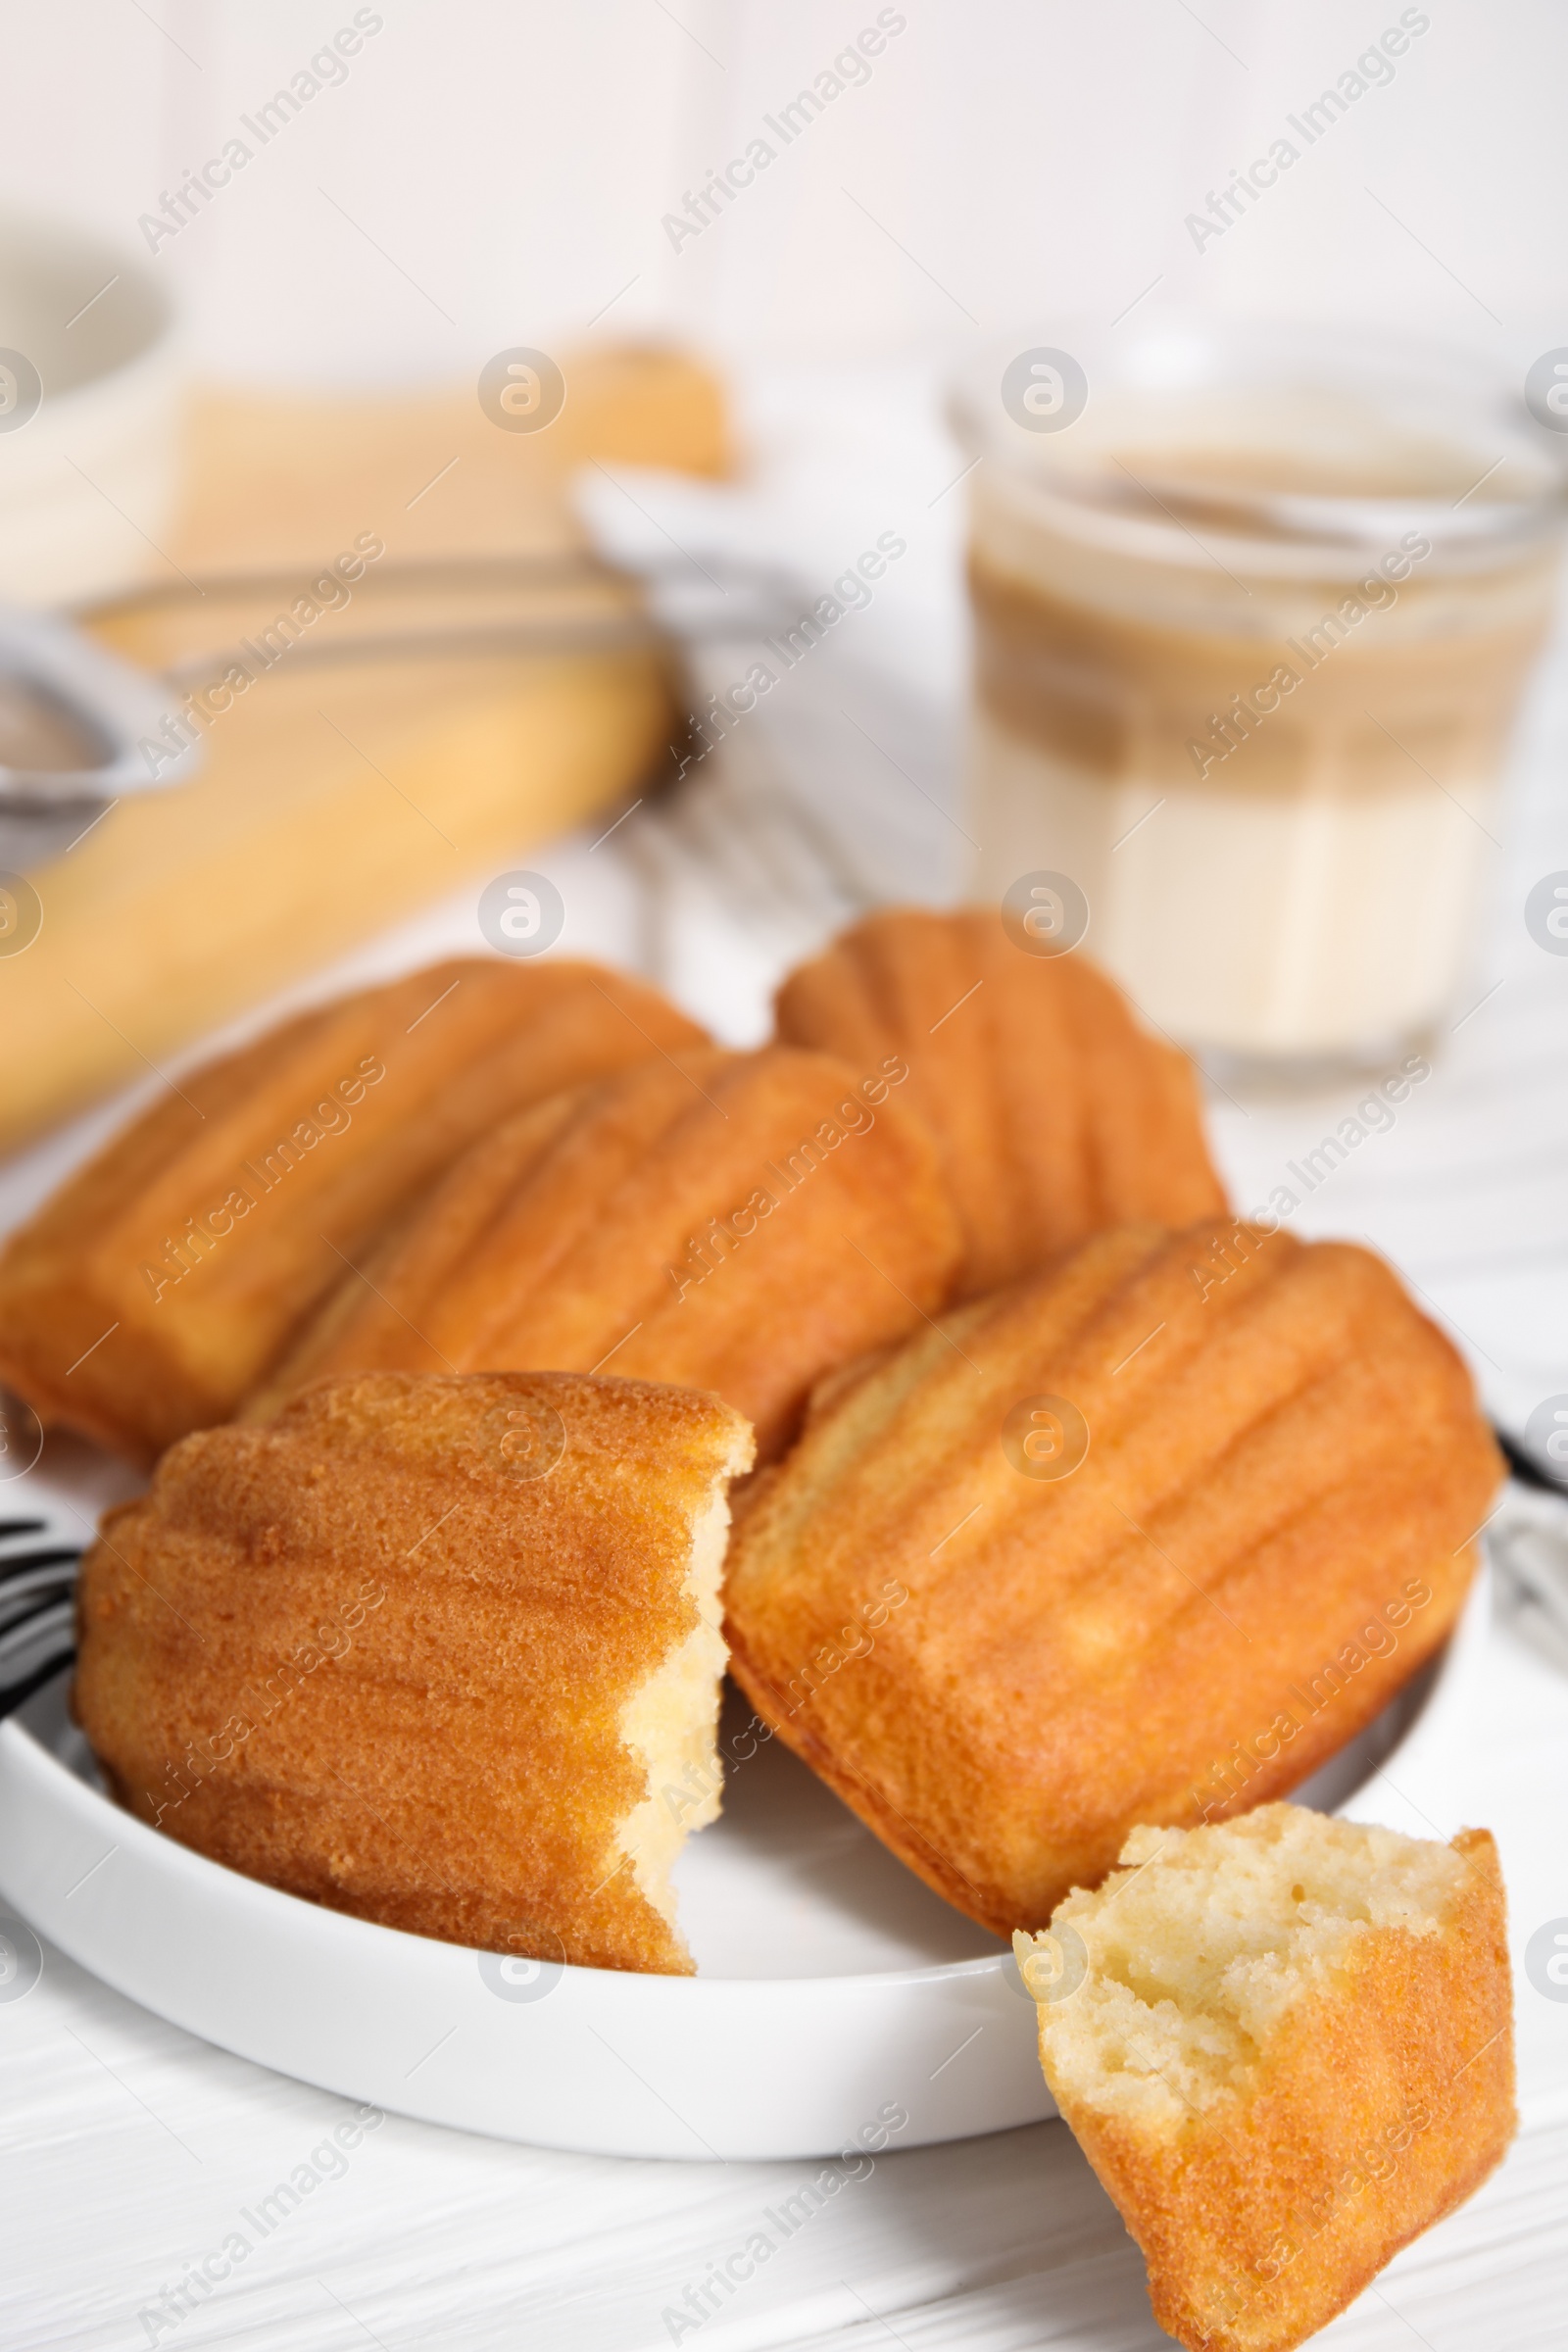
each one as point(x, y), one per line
point(1252, 613)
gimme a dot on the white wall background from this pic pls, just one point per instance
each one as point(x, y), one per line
point(495, 172)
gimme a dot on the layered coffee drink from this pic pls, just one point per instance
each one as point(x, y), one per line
point(1249, 638)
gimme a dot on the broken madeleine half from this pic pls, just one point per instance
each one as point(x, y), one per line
point(433, 1650)
point(740, 1222)
point(160, 1283)
point(1286, 2045)
point(1171, 1522)
point(1056, 1114)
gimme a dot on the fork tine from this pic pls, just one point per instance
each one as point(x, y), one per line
point(23, 1563)
point(37, 1606)
point(52, 1618)
point(16, 1694)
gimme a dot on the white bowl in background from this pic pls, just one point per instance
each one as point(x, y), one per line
point(90, 420)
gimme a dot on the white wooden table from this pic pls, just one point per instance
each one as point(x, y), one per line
point(131, 2152)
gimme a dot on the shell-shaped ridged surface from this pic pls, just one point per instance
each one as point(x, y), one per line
point(743, 1223)
point(1056, 1114)
point(379, 1653)
point(160, 1282)
point(1143, 1539)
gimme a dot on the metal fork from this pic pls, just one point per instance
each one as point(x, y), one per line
point(103, 709)
point(739, 833)
point(37, 1608)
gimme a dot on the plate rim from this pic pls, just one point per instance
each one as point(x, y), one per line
point(1450, 1665)
point(753, 2069)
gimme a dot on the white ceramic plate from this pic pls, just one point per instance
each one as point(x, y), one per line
point(834, 1994)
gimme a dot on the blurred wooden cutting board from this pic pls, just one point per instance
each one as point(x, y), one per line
point(336, 798)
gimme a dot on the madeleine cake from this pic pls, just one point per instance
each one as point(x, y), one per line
point(737, 1222)
point(1171, 1522)
point(433, 1650)
point(1286, 2047)
point(1056, 1114)
point(162, 1281)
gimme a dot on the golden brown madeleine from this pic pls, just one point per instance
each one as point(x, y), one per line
point(429, 1650)
point(160, 1283)
point(741, 1222)
point(1056, 1114)
point(1286, 2045)
point(1145, 1538)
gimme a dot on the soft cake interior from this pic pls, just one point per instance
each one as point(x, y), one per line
point(671, 1723)
point(1202, 1942)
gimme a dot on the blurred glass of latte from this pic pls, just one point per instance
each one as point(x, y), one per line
point(1252, 613)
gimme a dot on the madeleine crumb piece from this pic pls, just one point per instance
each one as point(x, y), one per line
point(1286, 2045)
